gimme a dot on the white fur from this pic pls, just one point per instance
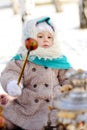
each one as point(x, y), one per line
point(47, 53)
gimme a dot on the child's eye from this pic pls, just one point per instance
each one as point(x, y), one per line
point(49, 37)
point(40, 36)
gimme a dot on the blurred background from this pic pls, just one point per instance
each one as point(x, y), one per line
point(70, 16)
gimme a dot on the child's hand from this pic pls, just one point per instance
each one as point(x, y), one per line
point(3, 99)
point(66, 88)
point(13, 89)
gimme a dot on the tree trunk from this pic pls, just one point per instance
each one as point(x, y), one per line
point(83, 13)
point(58, 5)
point(15, 6)
point(26, 8)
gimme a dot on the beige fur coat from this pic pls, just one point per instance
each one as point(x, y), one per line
point(41, 84)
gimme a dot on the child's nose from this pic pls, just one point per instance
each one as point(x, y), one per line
point(46, 38)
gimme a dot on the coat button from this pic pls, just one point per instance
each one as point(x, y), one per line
point(47, 100)
point(46, 67)
point(35, 85)
point(46, 85)
point(36, 100)
point(33, 69)
point(57, 76)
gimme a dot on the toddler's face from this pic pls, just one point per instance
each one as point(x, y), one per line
point(45, 39)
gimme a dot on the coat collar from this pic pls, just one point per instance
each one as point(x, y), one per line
point(57, 63)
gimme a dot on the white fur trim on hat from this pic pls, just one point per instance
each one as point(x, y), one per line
point(44, 27)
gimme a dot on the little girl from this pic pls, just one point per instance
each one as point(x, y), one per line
point(45, 72)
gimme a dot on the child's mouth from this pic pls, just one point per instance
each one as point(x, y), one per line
point(45, 46)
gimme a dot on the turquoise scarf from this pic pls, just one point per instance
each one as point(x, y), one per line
point(57, 63)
